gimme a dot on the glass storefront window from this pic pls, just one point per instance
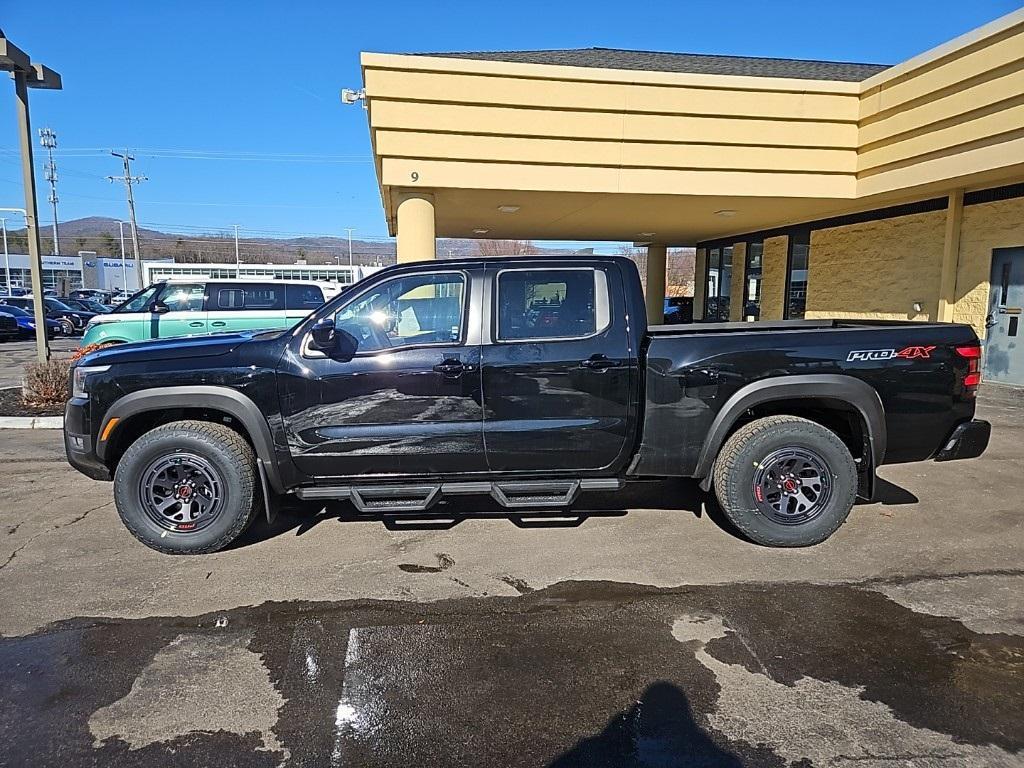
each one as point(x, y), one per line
point(711, 294)
point(796, 282)
point(725, 284)
point(752, 282)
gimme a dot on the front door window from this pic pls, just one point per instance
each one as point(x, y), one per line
point(413, 310)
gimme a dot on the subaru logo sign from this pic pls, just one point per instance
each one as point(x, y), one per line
point(90, 263)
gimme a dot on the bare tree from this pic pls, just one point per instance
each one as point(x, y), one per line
point(679, 268)
point(505, 247)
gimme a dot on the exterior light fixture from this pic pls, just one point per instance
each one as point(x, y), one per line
point(508, 208)
point(727, 212)
point(647, 234)
point(480, 231)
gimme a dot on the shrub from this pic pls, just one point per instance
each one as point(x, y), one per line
point(46, 383)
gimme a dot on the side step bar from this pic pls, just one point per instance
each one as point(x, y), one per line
point(419, 497)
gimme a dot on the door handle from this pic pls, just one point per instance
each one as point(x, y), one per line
point(217, 323)
point(196, 324)
point(598, 363)
point(451, 368)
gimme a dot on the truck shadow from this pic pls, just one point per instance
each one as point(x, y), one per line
point(669, 495)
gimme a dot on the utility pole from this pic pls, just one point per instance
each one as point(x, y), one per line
point(349, 230)
point(48, 139)
point(7, 260)
point(124, 271)
point(238, 263)
point(128, 180)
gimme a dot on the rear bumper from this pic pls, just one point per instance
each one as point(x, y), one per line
point(967, 441)
point(78, 442)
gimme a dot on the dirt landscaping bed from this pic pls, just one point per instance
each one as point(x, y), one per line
point(11, 405)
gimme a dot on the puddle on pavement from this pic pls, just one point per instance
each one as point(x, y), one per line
point(577, 674)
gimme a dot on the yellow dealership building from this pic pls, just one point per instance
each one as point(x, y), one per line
point(809, 188)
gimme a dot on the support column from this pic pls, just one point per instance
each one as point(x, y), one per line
point(700, 283)
point(415, 227)
point(950, 257)
point(738, 283)
point(774, 268)
point(655, 292)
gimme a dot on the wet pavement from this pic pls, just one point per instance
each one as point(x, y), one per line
point(577, 674)
point(645, 635)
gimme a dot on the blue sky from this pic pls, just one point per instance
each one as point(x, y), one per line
point(249, 90)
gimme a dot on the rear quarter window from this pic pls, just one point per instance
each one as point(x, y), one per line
point(239, 297)
point(307, 297)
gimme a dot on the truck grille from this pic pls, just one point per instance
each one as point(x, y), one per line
point(7, 323)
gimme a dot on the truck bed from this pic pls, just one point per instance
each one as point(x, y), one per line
point(761, 326)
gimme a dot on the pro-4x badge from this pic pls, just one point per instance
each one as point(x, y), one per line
point(907, 353)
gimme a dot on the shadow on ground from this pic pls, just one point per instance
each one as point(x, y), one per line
point(669, 495)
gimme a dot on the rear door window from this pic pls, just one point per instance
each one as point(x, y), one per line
point(307, 297)
point(570, 303)
point(236, 297)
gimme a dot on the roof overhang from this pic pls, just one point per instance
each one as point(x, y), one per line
point(586, 153)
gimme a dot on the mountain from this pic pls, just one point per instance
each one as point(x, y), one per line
point(102, 235)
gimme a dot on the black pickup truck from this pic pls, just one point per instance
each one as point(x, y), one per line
point(532, 380)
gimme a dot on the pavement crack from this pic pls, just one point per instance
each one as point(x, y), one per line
point(51, 529)
point(81, 517)
point(14, 554)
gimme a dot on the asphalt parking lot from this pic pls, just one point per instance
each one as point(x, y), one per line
point(643, 636)
point(14, 355)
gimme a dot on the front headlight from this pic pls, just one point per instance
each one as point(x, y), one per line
point(80, 380)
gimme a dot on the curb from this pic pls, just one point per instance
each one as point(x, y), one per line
point(31, 422)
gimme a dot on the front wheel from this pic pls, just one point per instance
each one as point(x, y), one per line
point(784, 481)
point(187, 487)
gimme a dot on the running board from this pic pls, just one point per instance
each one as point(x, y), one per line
point(419, 497)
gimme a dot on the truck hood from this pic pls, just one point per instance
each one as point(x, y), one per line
point(168, 349)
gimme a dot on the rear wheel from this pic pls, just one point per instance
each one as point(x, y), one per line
point(188, 487)
point(784, 481)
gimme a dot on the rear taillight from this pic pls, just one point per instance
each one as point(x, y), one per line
point(972, 354)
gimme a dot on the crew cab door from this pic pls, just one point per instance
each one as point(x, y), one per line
point(186, 312)
point(409, 402)
point(558, 372)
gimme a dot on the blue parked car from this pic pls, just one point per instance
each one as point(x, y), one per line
point(27, 322)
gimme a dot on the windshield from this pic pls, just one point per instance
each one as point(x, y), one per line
point(58, 305)
point(141, 300)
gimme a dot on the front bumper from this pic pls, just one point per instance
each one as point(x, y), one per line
point(78, 442)
point(967, 441)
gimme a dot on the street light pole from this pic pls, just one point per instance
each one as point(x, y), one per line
point(7, 260)
point(31, 224)
point(28, 74)
point(238, 263)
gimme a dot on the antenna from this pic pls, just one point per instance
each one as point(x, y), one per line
point(48, 139)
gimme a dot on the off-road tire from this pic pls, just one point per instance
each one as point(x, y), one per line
point(230, 455)
point(738, 461)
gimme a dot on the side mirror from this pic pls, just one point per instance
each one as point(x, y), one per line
point(332, 341)
point(159, 308)
point(323, 337)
